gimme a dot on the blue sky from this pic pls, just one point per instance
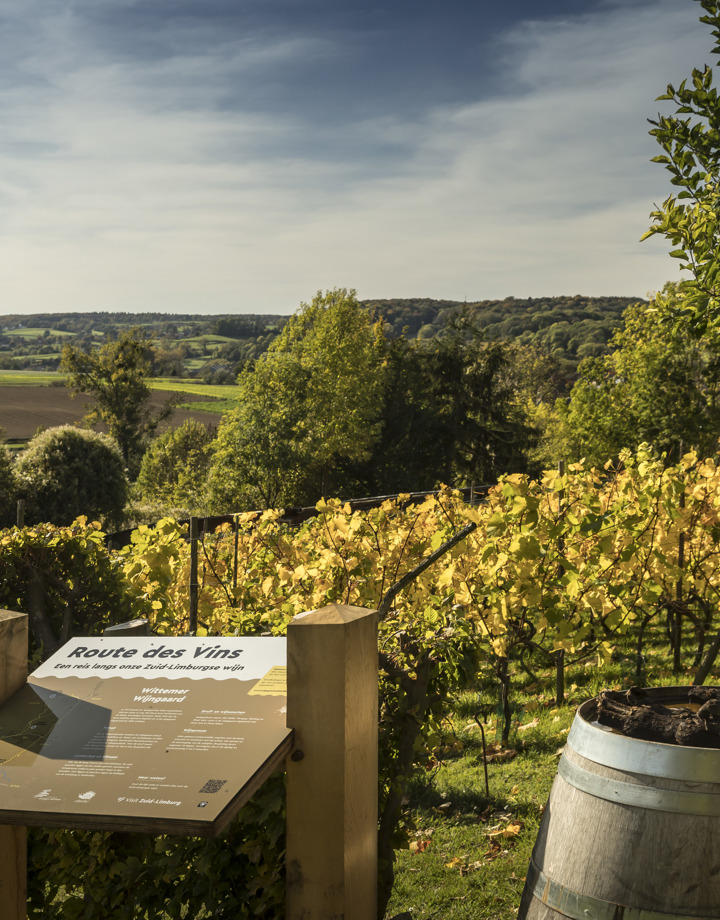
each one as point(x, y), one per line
point(219, 156)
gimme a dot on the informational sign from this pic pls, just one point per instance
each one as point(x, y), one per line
point(149, 734)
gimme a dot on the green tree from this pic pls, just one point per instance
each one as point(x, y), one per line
point(689, 219)
point(175, 467)
point(66, 472)
point(260, 459)
point(116, 376)
point(660, 385)
point(309, 406)
point(538, 380)
point(472, 396)
point(451, 415)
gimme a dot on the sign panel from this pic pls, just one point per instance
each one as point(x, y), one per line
point(149, 734)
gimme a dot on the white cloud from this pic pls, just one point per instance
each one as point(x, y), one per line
point(135, 185)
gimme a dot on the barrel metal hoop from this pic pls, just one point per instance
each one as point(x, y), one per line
point(577, 906)
point(615, 790)
point(651, 758)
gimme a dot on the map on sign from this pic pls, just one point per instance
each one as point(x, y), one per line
point(150, 734)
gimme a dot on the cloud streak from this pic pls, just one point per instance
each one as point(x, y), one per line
point(183, 163)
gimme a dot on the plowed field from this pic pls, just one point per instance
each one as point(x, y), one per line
point(25, 409)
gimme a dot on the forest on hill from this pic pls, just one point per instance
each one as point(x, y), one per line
point(216, 347)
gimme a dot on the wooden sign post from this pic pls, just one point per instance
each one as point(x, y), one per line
point(332, 774)
point(326, 734)
point(13, 840)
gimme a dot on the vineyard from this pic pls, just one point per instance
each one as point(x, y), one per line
point(526, 588)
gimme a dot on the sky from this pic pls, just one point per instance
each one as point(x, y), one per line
point(236, 156)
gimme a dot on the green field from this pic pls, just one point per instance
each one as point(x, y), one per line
point(34, 332)
point(30, 378)
point(210, 339)
point(174, 385)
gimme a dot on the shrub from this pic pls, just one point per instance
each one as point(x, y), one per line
point(7, 488)
point(175, 466)
point(67, 472)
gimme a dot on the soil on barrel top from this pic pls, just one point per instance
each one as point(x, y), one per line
point(695, 723)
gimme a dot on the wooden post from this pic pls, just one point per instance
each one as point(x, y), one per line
point(332, 774)
point(13, 840)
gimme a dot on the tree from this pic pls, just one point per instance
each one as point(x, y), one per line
point(66, 472)
point(115, 375)
point(538, 380)
point(660, 385)
point(472, 396)
point(690, 220)
point(309, 406)
point(175, 467)
point(260, 460)
point(452, 413)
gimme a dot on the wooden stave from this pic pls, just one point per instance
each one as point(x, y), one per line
point(672, 853)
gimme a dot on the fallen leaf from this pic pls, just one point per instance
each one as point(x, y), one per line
point(419, 846)
point(514, 790)
point(496, 850)
point(507, 831)
point(522, 728)
point(501, 755)
point(464, 867)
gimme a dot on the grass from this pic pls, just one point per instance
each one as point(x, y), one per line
point(468, 868)
point(209, 338)
point(197, 388)
point(35, 332)
point(215, 407)
point(470, 851)
point(221, 397)
point(30, 378)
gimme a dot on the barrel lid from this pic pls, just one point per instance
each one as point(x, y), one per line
point(651, 758)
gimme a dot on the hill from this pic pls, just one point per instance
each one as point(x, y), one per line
point(215, 347)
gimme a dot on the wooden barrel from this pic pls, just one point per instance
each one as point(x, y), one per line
point(631, 830)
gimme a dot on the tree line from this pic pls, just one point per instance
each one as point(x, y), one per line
point(335, 406)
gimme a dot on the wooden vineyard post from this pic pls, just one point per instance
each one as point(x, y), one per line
point(13, 840)
point(332, 774)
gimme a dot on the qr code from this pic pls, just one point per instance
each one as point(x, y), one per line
point(213, 785)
